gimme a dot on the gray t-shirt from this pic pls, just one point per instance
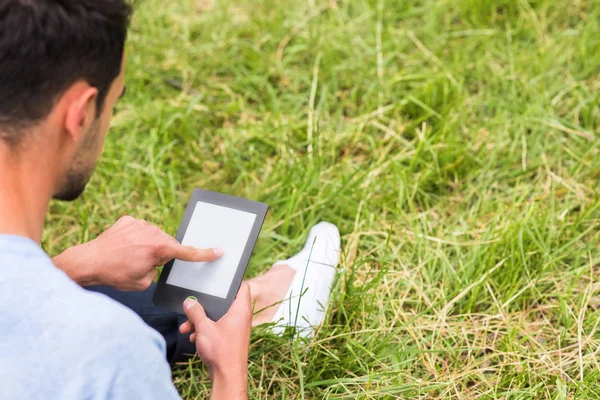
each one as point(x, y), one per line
point(59, 341)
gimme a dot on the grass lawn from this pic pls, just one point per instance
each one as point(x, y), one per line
point(454, 142)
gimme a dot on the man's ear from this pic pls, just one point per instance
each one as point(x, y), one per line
point(81, 112)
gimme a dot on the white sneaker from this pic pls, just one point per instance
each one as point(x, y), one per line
point(305, 302)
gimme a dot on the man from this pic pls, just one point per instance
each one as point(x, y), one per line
point(61, 73)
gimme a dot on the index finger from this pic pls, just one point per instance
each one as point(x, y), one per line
point(194, 254)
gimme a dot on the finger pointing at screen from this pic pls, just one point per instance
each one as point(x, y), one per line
point(194, 254)
point(124, 256)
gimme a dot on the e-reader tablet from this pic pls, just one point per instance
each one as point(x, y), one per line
point(212, 220)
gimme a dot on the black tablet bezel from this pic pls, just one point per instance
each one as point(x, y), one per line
point(171, 297)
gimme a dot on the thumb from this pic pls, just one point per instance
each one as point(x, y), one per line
point(195, 313)
point(242, 302)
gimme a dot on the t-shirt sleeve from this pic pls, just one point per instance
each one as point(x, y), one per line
point(143, 371)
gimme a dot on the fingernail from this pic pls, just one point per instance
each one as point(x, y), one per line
point(218, 251)
point(189, 303)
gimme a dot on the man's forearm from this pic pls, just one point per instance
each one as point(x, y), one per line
point(70, 262)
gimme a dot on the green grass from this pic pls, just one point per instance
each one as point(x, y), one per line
point(454, 142)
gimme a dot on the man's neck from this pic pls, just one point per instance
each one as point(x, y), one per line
point(25, 192)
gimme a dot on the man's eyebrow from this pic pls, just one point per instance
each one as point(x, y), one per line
point(123, 92)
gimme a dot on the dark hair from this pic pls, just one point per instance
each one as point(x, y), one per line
point(46, 46)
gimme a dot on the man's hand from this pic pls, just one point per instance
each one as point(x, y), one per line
point(223, 345)
point(125, 256)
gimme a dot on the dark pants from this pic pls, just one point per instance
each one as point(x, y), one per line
point(165, 322)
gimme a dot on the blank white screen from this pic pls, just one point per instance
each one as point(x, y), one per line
point(213, 226)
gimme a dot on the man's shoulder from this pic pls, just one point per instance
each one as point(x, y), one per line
point(120, 343)
point(80, 319)
point(90, 318)
point(68, 342)
point(35, 296)
point(95, 348)
point(105, 319)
